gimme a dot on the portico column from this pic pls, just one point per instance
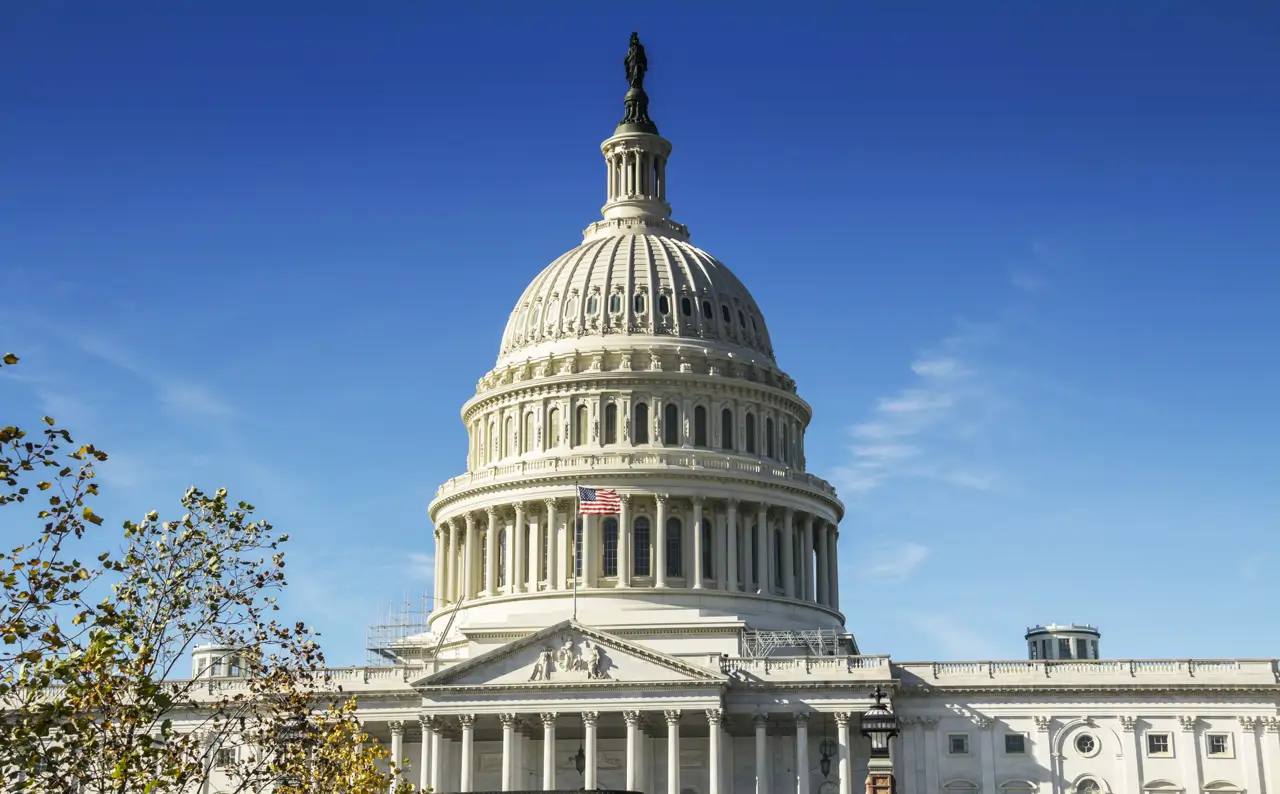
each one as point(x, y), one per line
point(762, 754)
point(555, 576)
point(715, 718)
point(491, 553)
point(833, 538)
point(467, 771)
point(589, 719)
point(846, 764)
point(451, 573)
point(696, 563)
point(802, 754)
point(424, 754)
point(673, 751)
point(1271, 752)
point(632, 719)
point(521, 561)
point(806, 547)
point(471, 566)
point(437, 759)
point(762, 548)
point(508, 751)
point(718, 549)
point(397, 749)
point(549, 750)
point(788, 553)
point(660, 548)
point(731, 545)
point(535, 556)
point(437, 586)
point(624, 540)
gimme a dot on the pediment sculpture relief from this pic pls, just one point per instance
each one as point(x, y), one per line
point(569, 662)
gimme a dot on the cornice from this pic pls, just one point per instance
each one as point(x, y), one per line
point(932, 690)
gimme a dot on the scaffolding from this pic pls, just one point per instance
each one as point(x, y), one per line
point(398, 632)
point(813, 642)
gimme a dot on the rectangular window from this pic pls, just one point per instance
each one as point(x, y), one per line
point(958, 743)
point(641, 551)
point(1082, 649)
point(1064, 648)
point(1015, 744)
point(1219, 744)
point(577, 548)
point(1035, 650)
point(1093, 646)
point(610, 547)
point(1158, 744)
point(225, 759)
point(1044, 649)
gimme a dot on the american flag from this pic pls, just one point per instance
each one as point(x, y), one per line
point(598, 501)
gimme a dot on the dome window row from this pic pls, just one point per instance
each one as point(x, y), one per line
point(782, 440)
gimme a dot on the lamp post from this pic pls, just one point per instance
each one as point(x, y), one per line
point(827, 749)
point(580, 764)
point(879, 724)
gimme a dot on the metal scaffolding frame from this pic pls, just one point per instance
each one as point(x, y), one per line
point(818, 642)
point(385, 640)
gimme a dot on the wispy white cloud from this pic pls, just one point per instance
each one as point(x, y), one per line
point(953, 638)
point(894, 563)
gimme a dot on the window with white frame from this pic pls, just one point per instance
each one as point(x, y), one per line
point(1015, 743)
point(958, 743)
point(226, 758)
point(1159, 744)
point(1218, 744)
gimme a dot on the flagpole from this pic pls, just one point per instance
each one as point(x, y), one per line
point(577, 518)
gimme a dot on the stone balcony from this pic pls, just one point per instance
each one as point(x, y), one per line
point(1091, 673)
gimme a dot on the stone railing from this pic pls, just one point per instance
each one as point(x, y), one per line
point(1085, 672)
point(635, 461)
point(801, 668)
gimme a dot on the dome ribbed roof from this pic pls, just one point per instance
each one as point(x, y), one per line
point(638, 285)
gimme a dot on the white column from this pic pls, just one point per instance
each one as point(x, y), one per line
point(549, 751)
point(508, 559)
point(932, 751)
point(820, 567)
point(660, 547)
point(521, 561)
point(833, 540)
point(471, 564)
point(466, 772)
point(624, 540)
point(731, 544)
point(1249, 753)
point(715, 763)
point(806, 557)
point(988, 752)
point(788, 553)
point(424, 754)
point(1190, 754)
point(846, 762)
point(437, 581)
point(632, 718)
point(536, 528)
point(802, 754)
point(673, 751)
point(590, 553)
point(437, 760)
point(555, 575)
point(718, 546)
point(762, 753)
point(589, 719)
point(1131, 753)
point(564, 552)
point(696, 563)
point(397, 749)
point(451, 572)
point(763, 546)
point(1271, 753)
point(508, 751)
point(491, 554)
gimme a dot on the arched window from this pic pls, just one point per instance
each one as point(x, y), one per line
point(502, 557)
point(664, 305)
point(768, 437)
point(742, 319)
point(686, 307)
point(751, 433)
point(577, 546)
point(610, 546)
point(592, 304)
point(638, 302)
point(640, 427)
point(615, 303)
point(642, 552)
point(611, 424)
point(570, 305)
point(708, 570)
point(491, 439)
point(726, 429)
point(675, 545)
point(670, 424)
point(706, 310)
point(553, 432)
point(786, 442)
point(699, 426)
point(527, 437)
point(580, 426)
point(508, 437)
point(724, 313)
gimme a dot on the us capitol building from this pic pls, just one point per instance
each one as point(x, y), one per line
point(693, 641)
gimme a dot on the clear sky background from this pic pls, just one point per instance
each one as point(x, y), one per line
point(1022, 258)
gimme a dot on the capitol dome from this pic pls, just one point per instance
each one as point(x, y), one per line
point(636, 369)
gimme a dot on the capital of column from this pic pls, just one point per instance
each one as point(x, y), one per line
point(929, 723)
point(548, 718)
point(624, 498)
point(698, 500)
point(467, 721)
point(632, 718)
point(843, 717)
point(715, 717)
point(672, 715)
point(732, 504)
point(491, 512)
point(1273, 725)
point(1249, 724)
point(802, 718)
point(760, 719)
point(550, 504)
point(1128, 724)
point(509, 720)
point(470, 520)
point(1043, 723)
point(590, 718)
point(662, 498)
point(1188, 723)
point(429, 723)
point(983, 722)
point(397, 727)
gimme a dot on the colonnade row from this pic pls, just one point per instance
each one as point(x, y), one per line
point(654, 541)
point(447, 762)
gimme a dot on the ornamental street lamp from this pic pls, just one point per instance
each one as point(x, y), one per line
point(580, 763)
point(879, 724)
point(828, 749)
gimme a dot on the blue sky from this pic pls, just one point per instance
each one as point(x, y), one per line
point(1020, 257)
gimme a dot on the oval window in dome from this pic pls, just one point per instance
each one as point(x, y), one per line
point(592, 305)
point(742, 319)
point(615, 303)
point(706, 310)
point(754, 329)
point(686, 307)
point(724, 313)
point(638, 302)
point(664, 305)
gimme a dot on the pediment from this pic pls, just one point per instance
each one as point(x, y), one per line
point(570, 654)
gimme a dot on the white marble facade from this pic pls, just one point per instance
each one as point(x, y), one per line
point(638, 362)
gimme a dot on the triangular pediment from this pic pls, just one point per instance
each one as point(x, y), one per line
point(572, 654)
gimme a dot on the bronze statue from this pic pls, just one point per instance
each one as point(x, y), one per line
point(636, 63)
